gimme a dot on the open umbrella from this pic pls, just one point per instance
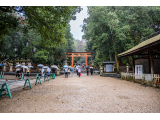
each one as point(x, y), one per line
point(19, 65)
point(45, 67)
point(40, 65)
point(65, 66)
point(91, 67)
point(49, 69)
point(1, 64)
point(30, 66)
point(54, 66)
point(25, 67)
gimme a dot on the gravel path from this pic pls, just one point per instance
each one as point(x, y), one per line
point(87, 94)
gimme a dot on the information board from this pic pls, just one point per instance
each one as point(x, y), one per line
point(109, 68)
point(138, 71)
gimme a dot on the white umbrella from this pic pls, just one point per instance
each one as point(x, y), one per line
point(40, 65)
point(49, 69)
point(19, 65)
point(30, 66)
point(45, 67)
point(91, 67)
point(17, 69)
point(25, 67)
point(54, 66)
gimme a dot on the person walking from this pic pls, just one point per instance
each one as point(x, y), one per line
point(53, 70)
point(91, 70)
point(17, 72)
point(28, 72)
point(72, 71)
point(87, 70)
point(82, 67)
point(21, 72)
point(79, 71)
point(66, 72)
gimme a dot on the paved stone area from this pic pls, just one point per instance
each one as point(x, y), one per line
point(85, 94)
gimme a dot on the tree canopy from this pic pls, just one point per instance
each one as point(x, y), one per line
point(49, 21)
point(113, 29)
point(41, 33)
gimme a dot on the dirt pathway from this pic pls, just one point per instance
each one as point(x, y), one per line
point(87, 94)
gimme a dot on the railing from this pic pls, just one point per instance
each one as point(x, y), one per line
point(146, 79)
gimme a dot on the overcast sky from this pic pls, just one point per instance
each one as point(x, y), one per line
point(75, 24)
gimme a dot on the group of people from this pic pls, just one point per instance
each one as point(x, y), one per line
point(45, 72)
point(78, 70)
point(19, 72)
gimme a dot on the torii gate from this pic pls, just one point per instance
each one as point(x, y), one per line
point(79, 54)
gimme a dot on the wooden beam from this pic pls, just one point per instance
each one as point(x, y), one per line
point(79, 55)
point(156, 51)
point(133, 64)
point(151, 61)
point(146, 57)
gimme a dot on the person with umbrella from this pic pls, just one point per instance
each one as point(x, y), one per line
point(17, 72)
point(87, 71)
point(66, 72)
point(91, 70)
point(79, 71)
point(27, 72)
point(72, 71)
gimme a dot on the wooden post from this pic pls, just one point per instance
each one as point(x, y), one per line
point(133, 64)
point(72, 59)
point(86, 59)
point(151, 61)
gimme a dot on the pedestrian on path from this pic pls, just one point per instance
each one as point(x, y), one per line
point(87, 70)
point(72, 71)
point(66, 72)
point(27, 72)
point(17, 72)
point(91, 70)
point(79, 71)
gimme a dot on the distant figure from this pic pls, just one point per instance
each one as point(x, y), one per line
point(21, 71)
point(48, 73)
point(17, 72)
point(82, 67)
point(91, 70)
point(53, 70)
point(66, 72)
point(79, 71)
point(39, 73)
point(45, 72)
point(72, 71)
point(87, 70)
point(27, 72)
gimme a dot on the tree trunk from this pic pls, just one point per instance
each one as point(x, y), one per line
point(115, 53)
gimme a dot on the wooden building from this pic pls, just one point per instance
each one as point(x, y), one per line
point(147, 53)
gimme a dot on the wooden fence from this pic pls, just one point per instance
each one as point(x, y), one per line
point(145, 79)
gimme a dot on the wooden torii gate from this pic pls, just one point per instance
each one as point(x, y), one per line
point(79, 54)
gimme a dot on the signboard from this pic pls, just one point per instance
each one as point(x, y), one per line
point(109, 68)
point(138, 71)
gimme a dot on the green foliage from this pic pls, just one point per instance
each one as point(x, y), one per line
point(111, 30)
point(41, 56)
point(43, 36)
point(49, 21)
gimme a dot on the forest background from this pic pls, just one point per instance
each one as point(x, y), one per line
point(43, 35)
